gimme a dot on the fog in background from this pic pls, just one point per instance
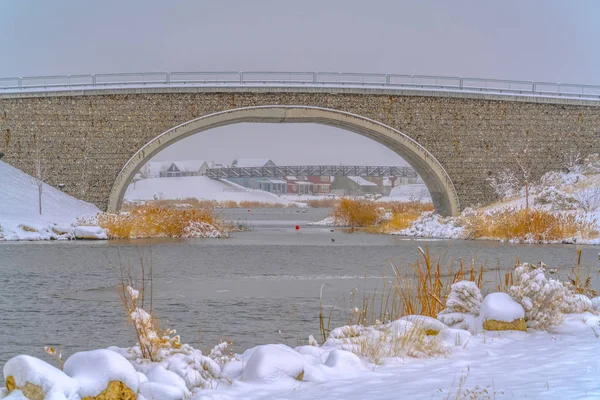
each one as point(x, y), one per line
point(544, 40)
point(285, 144)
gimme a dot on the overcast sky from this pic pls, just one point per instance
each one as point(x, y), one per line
point(549, 40)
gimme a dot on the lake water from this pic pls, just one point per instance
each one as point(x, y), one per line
point(257, 287)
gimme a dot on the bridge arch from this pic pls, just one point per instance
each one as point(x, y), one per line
point(439, 184)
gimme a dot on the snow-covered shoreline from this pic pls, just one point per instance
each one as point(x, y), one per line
point(418, 357)
point(20, 218)
point(560, 193)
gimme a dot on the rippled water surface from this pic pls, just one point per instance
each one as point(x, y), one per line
point(257, 287)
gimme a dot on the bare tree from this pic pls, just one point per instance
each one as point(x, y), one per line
point(39, 167)
point(524, 163)
point(145, 172)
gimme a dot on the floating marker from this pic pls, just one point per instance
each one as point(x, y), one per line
point(297, 227)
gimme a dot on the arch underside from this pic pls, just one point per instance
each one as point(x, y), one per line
point(436, 179)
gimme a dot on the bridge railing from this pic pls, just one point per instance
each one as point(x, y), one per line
point(283, 78)
point(310, 170)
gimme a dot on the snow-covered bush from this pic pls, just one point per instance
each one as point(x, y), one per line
point(544, 299)
point(555, 197)
point(557, 178)
point(462, 306)
point(164, 348)
point(397, 339)
point(429, 224)
point(591, 164)
point(465, 297)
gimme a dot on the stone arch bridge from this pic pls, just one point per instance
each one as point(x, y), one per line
point(96, 135)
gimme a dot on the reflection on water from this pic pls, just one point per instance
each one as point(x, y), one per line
point(257, 287)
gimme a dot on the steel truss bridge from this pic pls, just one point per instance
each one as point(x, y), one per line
point(310, 170)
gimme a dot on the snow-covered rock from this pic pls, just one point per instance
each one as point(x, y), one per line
point(95, 369)
point(431, 326)
point(500, 312)
point(90, 233)
point(273, 362)
point(343, 361)
point(501, 307)
point(36, 378)
point(159, 375)
point(596, 303)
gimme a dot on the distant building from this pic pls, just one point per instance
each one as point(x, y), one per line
point(317, 185)
point(354, 185)
point(172, 169)
point(252, 162)
point(272, 185)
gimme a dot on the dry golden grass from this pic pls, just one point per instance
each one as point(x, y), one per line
point(420, 288)
point(356, 213)
point(27, 228)
point(322, 203)
point(580, 282)
point(262, 204)
point(427, 293)
point(414, 342)
point(150, 221)
point(403, 207)
point(368, 214)
point(531, 224)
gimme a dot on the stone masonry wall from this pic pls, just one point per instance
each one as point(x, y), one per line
point(87, 139)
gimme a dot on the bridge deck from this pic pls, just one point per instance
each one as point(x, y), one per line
point(307, 80)
point(310, 170)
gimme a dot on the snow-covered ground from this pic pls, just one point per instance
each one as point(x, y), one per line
point(199, 187)
point(556, 192)
point(414, 357)
point(19, 210)
point(417, 191)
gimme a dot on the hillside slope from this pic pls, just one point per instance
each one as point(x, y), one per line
point(19, 207)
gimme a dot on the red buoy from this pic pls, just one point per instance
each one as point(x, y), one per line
point(297, 227)
point(248, 210)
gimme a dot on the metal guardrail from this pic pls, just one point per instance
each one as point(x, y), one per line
point(308, 79)
point(309, 170)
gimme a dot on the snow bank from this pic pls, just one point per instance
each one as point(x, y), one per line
point(434, 226)
point(271, 363)
point(413, 192)
point(163, 384)
point(89, 232)
point(94, 369)
point(199, 187)
point(19, 210)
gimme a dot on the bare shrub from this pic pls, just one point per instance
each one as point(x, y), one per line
point(588, 199)
point(322, 203)
point(505, 184)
